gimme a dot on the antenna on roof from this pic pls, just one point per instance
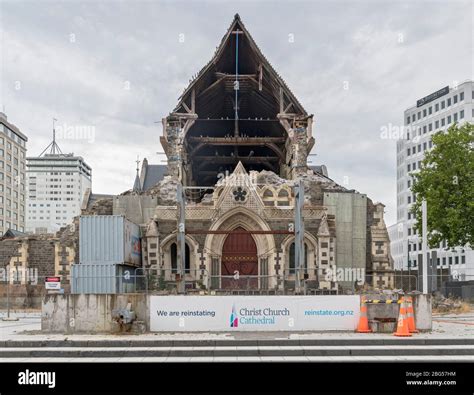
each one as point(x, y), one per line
point(53, 146)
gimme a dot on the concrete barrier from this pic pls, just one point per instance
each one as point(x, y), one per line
point(423, 313)
point(89, 313)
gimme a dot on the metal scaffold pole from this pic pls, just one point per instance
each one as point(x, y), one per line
point(181, 269)
point(424, 245)
point(299, 235)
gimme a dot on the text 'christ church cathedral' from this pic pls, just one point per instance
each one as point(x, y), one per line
point(238, 142)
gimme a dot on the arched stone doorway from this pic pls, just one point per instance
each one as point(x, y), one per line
point(246, 220)
point(239, 262)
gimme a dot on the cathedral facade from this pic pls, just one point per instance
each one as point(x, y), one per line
point(223, 213)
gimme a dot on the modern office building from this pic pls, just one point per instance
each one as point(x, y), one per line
point(56, 184)
point(12, 176)
point(432, 113)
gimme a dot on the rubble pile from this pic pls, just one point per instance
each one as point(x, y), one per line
point(102, 207)
point(165, 191)
point(266, 177)
point(442, 304)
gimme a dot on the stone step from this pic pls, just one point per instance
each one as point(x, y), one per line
point(359, 341)
point(229, 351)
point(388, 358)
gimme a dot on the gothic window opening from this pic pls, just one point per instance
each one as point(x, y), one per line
point(292, 262)
point(174, 258)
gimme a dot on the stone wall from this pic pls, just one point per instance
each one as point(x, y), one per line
point(379, 268)
point(27, 261)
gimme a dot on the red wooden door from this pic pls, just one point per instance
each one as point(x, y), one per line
point(239, 255)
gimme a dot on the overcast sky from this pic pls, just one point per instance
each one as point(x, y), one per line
point(114, 68)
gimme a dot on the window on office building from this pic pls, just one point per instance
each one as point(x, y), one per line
point(450, 260)
point(461, 114)
point(455, 99)
point(408, 151)
point(430, 110)
point(436, 124)
point(455, 117)
point(442, 105)
point(437, 107)
point(408, 167)
point(424, 112)
point(408, 120)
point(424, 129)
point(448, 102)
point(430, 144)
point(442, 122)
point(430, 127)
point(461, 96)
point(449, 119)
point(424, 146)
point(413, 118)
point(419, 115)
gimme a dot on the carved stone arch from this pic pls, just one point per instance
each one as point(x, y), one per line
point(312, 244)
point(284, 196)
point(268, 195)
point(248, 220)
point(165, 248)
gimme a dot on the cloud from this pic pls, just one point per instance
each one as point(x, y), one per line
point(119, 67)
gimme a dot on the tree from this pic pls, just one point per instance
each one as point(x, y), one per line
point(446, 182)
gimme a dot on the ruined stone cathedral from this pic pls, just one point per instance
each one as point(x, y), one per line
point(238, 141)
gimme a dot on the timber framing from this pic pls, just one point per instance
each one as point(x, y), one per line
point(237, 107)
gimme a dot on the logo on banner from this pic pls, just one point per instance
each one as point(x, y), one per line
point(234, 319)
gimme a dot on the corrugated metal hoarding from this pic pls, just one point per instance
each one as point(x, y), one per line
point(109, 239)
point(105, 278)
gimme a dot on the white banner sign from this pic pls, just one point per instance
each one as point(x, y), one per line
point(253, 313)
point(55, 286)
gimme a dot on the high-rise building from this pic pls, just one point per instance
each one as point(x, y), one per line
point(433, 113)
point(12, 176)
point(56, 184)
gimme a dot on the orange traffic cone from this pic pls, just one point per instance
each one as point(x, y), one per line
point(363, 326)
point(402, 324)
point(411, 315)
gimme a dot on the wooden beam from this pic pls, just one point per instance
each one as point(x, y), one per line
point(186, 108)
point(237, 140)
point(229, 159)
point(212, 86)
point(183, 115)
point(281, 100)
